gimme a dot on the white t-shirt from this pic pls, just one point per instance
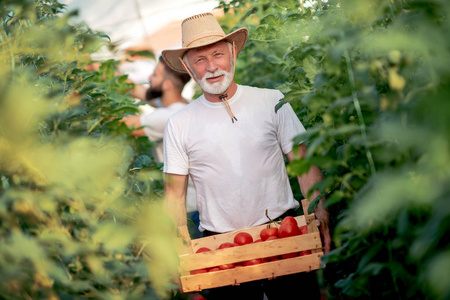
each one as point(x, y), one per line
point(237, 168)
point(155, 123)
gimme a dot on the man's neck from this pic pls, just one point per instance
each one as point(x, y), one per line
point(215, 97)
point(170, 97)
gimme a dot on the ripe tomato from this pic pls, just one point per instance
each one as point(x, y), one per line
point(289, 219)
point(223, 246)
point(273, 237)
point(268, 232)
point(202, 249)
point(226, 245)
point(243, 238)
point(199, 271)
point(289, 255)
point(274, 258)
point(226, 266)
point(303, 229)
point(214, 269)
point(288, 229)
point(252, 262)
point(306, 252)
point(197, 297)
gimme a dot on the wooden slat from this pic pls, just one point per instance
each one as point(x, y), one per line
point(305, 205)
point(213, 242)
point(239, 275)
point(250, 251)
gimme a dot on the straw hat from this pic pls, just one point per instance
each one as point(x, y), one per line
point(202, 30)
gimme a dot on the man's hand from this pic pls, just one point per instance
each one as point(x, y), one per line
point(325, 233)
point(133, 122)
point(306, 182)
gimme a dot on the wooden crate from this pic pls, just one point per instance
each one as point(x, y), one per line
point(190, 260)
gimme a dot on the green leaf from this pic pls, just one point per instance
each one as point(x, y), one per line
point(144, 53)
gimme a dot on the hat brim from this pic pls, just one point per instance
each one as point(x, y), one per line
point(172, 57)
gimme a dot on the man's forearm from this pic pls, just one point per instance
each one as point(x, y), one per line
point(175, 198)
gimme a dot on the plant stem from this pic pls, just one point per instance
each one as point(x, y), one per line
point(362, 124)
point(8, 42)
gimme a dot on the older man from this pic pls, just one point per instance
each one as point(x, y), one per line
point(232, 143)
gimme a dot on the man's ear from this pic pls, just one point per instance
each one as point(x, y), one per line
point(167, 85)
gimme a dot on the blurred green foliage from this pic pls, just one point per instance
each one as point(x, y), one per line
point(80, 209)
point(370, 82)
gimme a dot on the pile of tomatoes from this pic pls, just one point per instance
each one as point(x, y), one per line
point(287, 228)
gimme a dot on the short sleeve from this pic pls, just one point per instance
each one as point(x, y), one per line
point(175, 157)
point(289, 126)
point(154, 124)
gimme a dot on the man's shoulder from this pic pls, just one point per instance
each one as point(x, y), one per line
point(270, 96)
point(265, 92)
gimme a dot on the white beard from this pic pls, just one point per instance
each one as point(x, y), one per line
point(219, 87)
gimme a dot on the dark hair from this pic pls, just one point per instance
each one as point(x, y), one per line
point(179, 79)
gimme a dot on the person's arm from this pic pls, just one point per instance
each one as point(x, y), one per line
point(175, 198)
point(139, 92)
point(134, 122)
point(306, 181)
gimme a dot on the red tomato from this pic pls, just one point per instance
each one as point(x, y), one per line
point(197, 297)
point(199, 271)
point(226, 245)
point(303, 229)
point(274, 258)
point(214, 269)
point(252, 262)
point(289, 255)
point(268, 232)
point(306, 252)
point(243, 238)
point(226, 266)
point(288, 229)
point(273, 237)
point(223, 246)
point(289, 219)
point(258, 240)
point(202, 249)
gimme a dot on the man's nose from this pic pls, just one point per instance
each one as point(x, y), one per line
point(211, 66)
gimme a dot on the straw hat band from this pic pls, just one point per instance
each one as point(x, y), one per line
point(201, 40)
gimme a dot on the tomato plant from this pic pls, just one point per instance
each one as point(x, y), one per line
point(368, 82)
point(79, 197)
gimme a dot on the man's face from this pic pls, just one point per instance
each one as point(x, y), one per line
point(156, 81)
point(212, 67)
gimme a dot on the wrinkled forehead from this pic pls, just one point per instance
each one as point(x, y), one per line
point(222, 45)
